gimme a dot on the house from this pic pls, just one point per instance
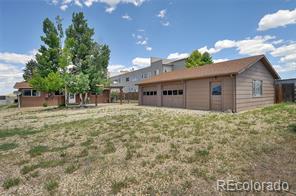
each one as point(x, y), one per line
point(28, 97)
point(7, 99)
point(157, 66)
point(234, 85)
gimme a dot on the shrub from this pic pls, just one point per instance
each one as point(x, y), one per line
point(45, 104)
point(10, 182)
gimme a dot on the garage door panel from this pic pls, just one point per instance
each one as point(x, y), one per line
point(149, 99)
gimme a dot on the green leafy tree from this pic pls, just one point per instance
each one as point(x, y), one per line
point(49, 53)
point(48, 76)
point(97, 70)
point(51, 83)
point(87, 56)
point(78, 84)
point(79, 42)
point(30, 70)
point(197, 59)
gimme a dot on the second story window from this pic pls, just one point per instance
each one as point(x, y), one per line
point(127, 79)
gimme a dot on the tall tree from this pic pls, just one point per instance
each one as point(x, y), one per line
point(48, 77)
point(30, 70)
point(80, 42)
point(87, 56)
point(49, 53)
point(197, 59)
point(97, 71)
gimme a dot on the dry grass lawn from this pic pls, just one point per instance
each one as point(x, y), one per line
point(128, 149)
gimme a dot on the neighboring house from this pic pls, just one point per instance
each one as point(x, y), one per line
point(286, 90)
point(128, 80)
point(234, 85)
point(7, 99)
point(28, 97)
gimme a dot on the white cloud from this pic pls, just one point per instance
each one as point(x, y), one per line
point(115, 69)
point(126, 17)
point(111, 4)
point(77, 2)
point(220, 60)
point(163, 18)
point(162, 13)
point(141, 62)
point(148, 48)
point(9, 75)
point(64, 7)
point(249, 46)
point(142, 39)
point(285, 67)
point(137, 63)
point(165, 23)
point(281, 18)
point(15, 58)
point(177, 55)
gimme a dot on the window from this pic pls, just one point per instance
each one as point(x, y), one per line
point(115, 81)
point(144, 93)
point(31, 93)
point(180, 92)
point(257, 88)
point(127, 79)
point(151, 93)
point(169, 92)
point(175, 92)
point(156, 72)
point(154, 92)
point(216, 89)
point(2, 98)
point(165, 92)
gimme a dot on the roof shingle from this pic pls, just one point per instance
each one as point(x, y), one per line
point(209, 70)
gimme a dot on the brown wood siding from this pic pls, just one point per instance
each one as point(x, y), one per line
point(244, 86)
point(151, 99)
point(198, 93)
point(173, 100)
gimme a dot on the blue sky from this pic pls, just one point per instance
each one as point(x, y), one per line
point(138, 29)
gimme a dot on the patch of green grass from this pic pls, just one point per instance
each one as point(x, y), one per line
point(117, 186)
point(292, 127)
point(71, 168)
point(38, 150)
point(8, 146)
point(109, 148)
point(51, 185)
point(199, 155)
point(34, 174)
point(10, 182)
point(18, 131)
point(42, 164)
point(88, 142)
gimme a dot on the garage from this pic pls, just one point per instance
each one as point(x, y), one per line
point(173, 95)
point(149, 95)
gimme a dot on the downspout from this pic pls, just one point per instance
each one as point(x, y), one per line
point(234, 94)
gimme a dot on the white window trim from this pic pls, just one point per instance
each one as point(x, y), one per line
point(254, 90)
point(38, 94)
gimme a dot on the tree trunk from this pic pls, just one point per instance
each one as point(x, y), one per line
point(66, 97)
point(85, 98)
point(81, 99)
point(96, 99)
